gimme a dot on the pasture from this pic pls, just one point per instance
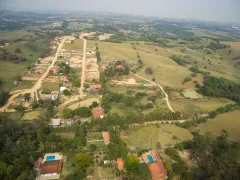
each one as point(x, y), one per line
point(191, 106)
point(31, 115)
point(142, 137)
point(77, 45)
point(228, 121)
point(50, 86)
point(79, 26)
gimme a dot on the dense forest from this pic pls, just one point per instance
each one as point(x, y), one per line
point(220, 87)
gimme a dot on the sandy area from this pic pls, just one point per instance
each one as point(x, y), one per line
point(83, 103)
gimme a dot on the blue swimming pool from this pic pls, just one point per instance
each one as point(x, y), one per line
point(50, 158)
point(150, 159)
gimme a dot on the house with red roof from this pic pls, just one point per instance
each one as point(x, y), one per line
point(106, 138)
point(155, 165)
point(67, 84)
point(119, 67)
point(64, 78)
point(98, 113)
point(96, 86)
point(54, 70)
point(120, 163)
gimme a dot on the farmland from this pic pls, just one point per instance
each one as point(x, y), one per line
point(147, 137)
point(228, 121)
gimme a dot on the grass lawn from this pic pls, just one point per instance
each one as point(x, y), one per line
point(143, 137)
point(50, 86)
point(94, 136)
point(79, 25)
point(77, 44)
point(65, 135)
point(229, 121)
point(31, 115)
point(192, 106)
point(67, 168)
point(11, 35)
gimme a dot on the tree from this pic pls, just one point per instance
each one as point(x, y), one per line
point(35, 104)
point(93, 147)
point(76, 83)
point(20, 108)
point(66, 92)
point(18, 50)
point(179, 167)
point(131, 163)
point(83, 160)
point(67, 113)
point(82, 112)
point(94, 104)
point(98, 56)
point(27, 96)
point(158, 145)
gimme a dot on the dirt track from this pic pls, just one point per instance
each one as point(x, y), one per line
point(83, 68)
point(166, 95)
point(36, 86)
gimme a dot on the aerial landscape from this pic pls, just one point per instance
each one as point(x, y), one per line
point(101, 93)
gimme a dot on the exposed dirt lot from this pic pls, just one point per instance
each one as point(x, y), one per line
point(83, 103)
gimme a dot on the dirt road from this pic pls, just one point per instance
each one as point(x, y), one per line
point(83, 68)
point(166, 95)
point(38, 84)
point(44, 75)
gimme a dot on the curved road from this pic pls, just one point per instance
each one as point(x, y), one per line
point(166, 95)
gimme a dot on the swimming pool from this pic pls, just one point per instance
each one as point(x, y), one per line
point(50, 158)
point(150, 159)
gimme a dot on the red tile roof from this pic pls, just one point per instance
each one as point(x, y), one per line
point(106, 137)
point(96, 86)
point(97, 112)
point(119, 67)
point(63, 78)
point(120, 163)
point(49, 167)
point(69, 84)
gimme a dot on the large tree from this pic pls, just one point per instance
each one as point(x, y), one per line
point(83, 160)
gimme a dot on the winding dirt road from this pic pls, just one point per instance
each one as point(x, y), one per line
point(83, 68)
point(166, 95)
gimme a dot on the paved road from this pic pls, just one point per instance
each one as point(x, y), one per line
point(83, 68)
point(166, 95)
point(44, 75)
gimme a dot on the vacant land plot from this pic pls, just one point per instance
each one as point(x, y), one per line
point(31, 115)
point(77, 44)
point(191, 106)
point(229, 121)
point(65, 135)
point(79, 26)
point(11, 35)
point(233, 44)
point(192, 94)
point(50, 86)
point(147, 137)
point(83, 103)
point(91, 136)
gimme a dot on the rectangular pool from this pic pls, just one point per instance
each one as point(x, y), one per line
point(50, 158)
point(150, 159)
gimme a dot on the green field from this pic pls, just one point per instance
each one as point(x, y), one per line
point(229, 121)
point(77, 44)
point(50, 86)
point(79, 26)
point(147, 137)
point(11, 35)
point(192, 106)
point(31, 115)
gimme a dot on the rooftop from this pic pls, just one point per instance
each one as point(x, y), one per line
point(120, 163)
point(106, 137)
point(50, 167)
point(98, 113)
point(55, 122)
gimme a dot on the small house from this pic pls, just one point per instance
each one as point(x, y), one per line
point(106, 162)
point(67, 84)
point(120, 163)
point(54, 95)
point(64, 78)
point(54, 70)
point(106, 138)
point(62, 88)
point(55, 122)
point(98, 113)
point(96, 86)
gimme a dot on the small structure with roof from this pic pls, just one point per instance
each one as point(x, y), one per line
point(62, 88)
point(54, 70)
point(155, 165)
point(54, 95)
point(106, 138)
point(64, 78)
point(67, 84)
point(51, 166)
point(98, 113)
point(55, 122)
point(120, 163)
point(96, 86)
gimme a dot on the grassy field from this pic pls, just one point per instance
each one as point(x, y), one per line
point(31, 115)
point(192, 106)
point(9, 70)
point(147, 137)
point(50, 86)
point(65, 135)
point(11, 35)
point(79, 26)
point(228, 121)
point(77, 44)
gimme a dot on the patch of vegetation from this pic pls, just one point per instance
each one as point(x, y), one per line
point(179, 60)
point(220, 87)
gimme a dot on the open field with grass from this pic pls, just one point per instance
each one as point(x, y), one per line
point(77, 44)
point(65, 135)
point(146, 137)
point(50, 86)
point(79, 25)
point(11, 35)
point(228, 121)
point(31, 115)
point(233, 44)
point(192, 106)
